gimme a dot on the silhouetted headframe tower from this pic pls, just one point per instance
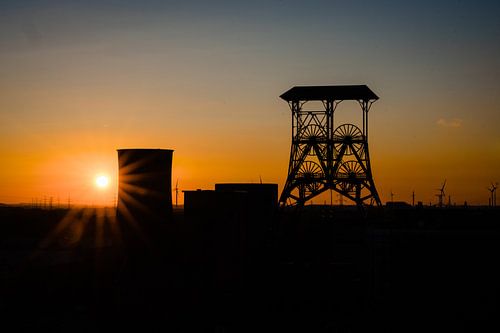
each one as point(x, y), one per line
point(324, 157)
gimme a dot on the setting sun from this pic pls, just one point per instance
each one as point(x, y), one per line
point(102, 181)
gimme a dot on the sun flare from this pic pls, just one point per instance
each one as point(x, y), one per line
point(102, 181)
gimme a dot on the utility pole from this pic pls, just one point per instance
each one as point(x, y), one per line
point(413, 198)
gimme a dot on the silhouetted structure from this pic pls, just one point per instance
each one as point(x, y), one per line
point(441, 194)
point(493, 198)
point(209, 206)
point(248, 198)
point(398, 205)
point(324, 157)
point(218, 222)
point(238, 215)
point(176, 192)
point(262, 198)
point(144, 185)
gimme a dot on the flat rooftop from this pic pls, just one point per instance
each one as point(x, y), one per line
point(321, 93)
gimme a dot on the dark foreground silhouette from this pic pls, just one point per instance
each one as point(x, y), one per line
point(318, 270)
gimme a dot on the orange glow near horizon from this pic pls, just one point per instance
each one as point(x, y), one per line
point(75, 178)
point(64, 167)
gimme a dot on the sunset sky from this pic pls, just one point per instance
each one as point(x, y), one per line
point(80, 79)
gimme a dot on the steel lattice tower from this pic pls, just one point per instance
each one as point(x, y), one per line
point(324, 157)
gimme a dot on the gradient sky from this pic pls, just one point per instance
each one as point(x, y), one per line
point(80, 79)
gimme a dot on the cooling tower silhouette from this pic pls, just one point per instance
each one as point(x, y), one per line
point(144, 185)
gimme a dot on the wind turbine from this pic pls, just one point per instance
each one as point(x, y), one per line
point(176, 189)
point(494, 193)
point(493, 190)
point(441, 194)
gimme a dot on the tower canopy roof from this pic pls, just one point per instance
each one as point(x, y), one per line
point(321, 93)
